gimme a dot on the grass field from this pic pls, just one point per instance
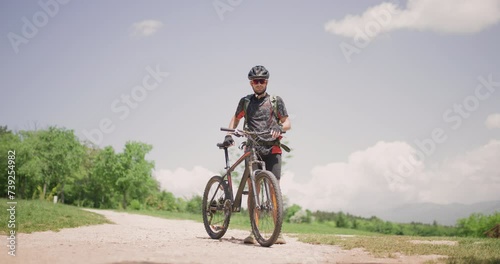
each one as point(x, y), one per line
point(32, 216)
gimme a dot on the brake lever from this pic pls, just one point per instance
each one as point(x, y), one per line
point(237, 133)
point(242, 145)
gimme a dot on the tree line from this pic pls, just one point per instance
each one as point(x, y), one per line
point(475, 225)
point(53, 161)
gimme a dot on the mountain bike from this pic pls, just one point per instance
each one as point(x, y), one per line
point(265, 204)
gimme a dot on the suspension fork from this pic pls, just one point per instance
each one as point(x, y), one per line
point(254, 160)
point(254, 189)
point(267, 191)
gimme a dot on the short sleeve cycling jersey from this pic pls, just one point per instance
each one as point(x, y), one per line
point(260, 117)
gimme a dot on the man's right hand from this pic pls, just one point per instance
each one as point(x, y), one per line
point(228, 141)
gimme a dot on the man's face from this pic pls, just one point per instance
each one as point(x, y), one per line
point(259, 86)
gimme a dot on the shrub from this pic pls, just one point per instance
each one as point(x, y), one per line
point(135, 205)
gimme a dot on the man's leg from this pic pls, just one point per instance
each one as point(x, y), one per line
point(273, 164)
point(250, 239)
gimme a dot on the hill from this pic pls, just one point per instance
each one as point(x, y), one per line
point(444, 214)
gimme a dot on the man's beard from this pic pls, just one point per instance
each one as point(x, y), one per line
point(261, 93)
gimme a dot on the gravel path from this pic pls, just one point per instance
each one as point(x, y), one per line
point(139, 239)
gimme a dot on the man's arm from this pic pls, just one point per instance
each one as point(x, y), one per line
point(285, 122)
point(234, 122)
point(232, 125)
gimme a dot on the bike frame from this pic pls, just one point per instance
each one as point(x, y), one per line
point(249, 172)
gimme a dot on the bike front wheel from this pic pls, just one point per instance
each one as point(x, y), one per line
point(216, 208)
point(266, 217)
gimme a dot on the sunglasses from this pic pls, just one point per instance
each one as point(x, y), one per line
point(257, 81)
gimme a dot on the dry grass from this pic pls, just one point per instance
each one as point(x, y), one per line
point(457, 250)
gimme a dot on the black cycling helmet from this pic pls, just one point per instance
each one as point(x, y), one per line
point(258, 72)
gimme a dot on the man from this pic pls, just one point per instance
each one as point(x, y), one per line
point(263, 113)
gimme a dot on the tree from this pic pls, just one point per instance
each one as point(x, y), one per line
point(102, 179)
point(78, 186)
point(32, 166)
point(62, 153)
point(477, 224)
point(194, 204)
point(4, 130)
point(291, 211)
point(341, 220)
point(301, 216)
point(134, 174)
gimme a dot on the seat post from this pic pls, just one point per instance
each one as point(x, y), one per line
point(226, 154)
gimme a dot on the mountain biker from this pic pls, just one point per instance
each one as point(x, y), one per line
point(263, 113)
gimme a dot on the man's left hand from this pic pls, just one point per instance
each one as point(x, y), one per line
point(276, 131)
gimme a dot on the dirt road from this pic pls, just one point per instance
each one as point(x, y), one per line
point(145, 239)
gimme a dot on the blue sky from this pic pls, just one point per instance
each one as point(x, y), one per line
point(367, 85)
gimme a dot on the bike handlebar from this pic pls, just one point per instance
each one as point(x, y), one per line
point(240, 133)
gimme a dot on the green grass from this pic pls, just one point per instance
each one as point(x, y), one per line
point(36, 215)
point(322, 228)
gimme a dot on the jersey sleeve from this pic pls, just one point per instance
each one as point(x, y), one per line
point(281, 108)
point(240, 111)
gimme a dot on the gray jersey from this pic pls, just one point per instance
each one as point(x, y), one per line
point(261, 118)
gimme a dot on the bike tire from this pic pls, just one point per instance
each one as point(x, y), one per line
point(216, 212)
point(267, 217)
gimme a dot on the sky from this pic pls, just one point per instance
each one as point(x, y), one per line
point(390, 102)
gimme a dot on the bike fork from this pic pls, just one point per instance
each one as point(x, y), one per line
point(254, 190)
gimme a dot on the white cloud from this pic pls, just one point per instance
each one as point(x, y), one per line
point(468, 178)
point(146, 28)
point(365, 184)
point(368, 182)
point(444, 16)
point(182, 182)
point(493, 121)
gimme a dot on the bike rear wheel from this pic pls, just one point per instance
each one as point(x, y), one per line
point(267, 216)
point(216, 208)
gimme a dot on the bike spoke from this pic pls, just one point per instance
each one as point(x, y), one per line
point(216, 211)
